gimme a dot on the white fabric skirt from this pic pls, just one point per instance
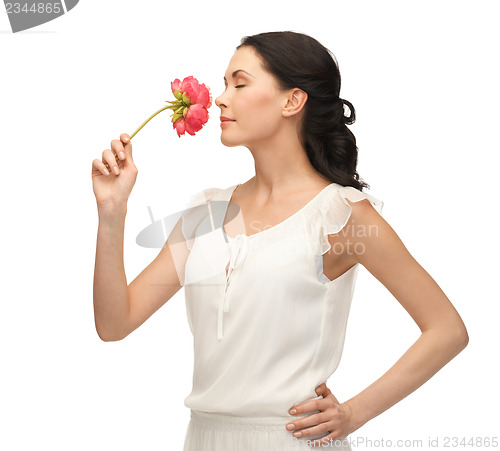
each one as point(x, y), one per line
point(215, 432)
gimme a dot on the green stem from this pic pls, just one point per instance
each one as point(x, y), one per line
point(148, 119)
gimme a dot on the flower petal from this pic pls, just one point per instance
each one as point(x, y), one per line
point(179, 126)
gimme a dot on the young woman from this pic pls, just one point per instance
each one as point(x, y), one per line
point(268, 284)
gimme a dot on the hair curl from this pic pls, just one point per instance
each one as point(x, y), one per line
point(299, 61)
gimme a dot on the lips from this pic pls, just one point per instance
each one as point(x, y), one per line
point(226, 119)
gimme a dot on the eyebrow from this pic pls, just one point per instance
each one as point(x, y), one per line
point(236, 73)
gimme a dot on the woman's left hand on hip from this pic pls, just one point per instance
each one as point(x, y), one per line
point(334, 418)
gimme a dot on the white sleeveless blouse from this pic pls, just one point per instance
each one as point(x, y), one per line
point(272, 328)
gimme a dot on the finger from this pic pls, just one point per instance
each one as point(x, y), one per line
point(118, 148)
point(99, 166)
point(316, 429)
point(125, 138)
point(309, 406)
point(332, 396)
point(306, 422)
point(323, 390)
point(109, 160)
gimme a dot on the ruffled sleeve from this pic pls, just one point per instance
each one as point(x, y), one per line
point(335, 211)
point(202, 197)
point(196, 213)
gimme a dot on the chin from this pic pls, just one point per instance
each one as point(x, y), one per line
point(229, 143)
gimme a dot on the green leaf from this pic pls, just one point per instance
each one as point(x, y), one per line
point(181, 109)
point(176, 116)
point(186, 99)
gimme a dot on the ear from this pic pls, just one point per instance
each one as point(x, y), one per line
point(295, 101)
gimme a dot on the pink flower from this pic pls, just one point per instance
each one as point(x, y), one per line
point(195, 117)
point(190, 108)
point(198, 94)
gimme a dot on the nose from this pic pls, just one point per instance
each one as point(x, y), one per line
point(218, 101)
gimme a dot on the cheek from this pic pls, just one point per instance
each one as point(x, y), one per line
point(260, 99)
point(260, 107)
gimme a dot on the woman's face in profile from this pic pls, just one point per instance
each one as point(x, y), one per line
point(251, 98)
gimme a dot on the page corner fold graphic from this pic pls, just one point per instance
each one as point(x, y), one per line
point(31, 13)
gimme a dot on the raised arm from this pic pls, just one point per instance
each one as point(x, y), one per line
point(120, 309)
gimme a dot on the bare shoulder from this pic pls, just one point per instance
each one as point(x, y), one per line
point(377, 245)
point(350, 242)
point(370, 234)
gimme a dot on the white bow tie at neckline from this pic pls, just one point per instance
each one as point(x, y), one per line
point(238, 249)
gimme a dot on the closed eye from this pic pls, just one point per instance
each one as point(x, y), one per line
point(239, 86)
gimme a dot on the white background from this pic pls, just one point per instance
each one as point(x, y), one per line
point(423, 77)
